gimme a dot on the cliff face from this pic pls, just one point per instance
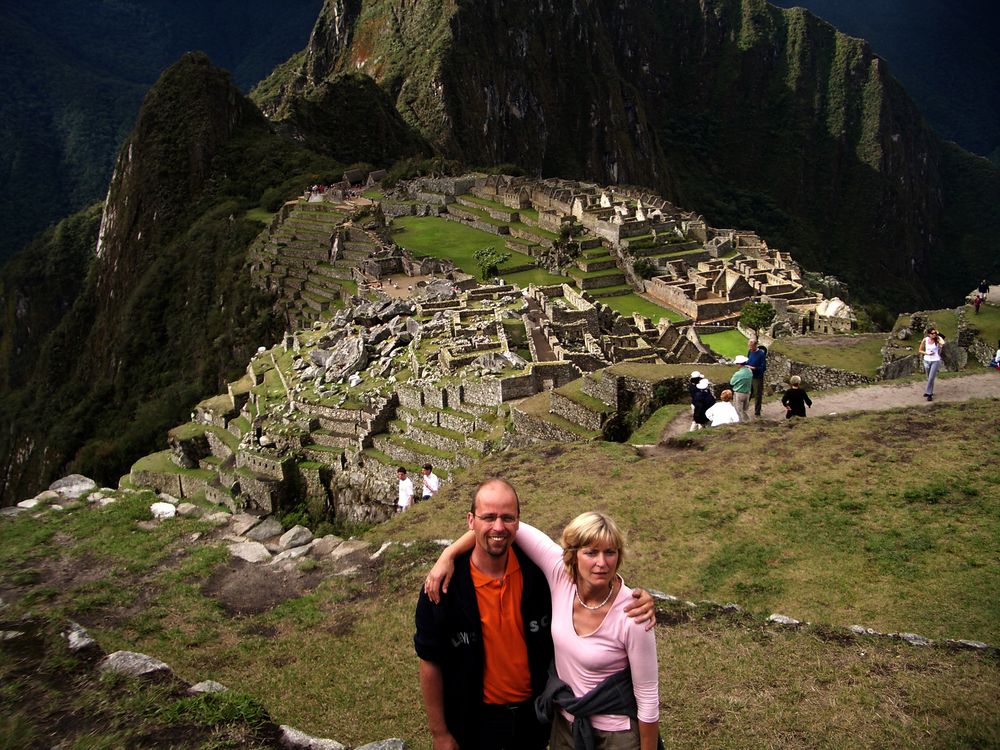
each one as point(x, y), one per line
point(748, 113)
point(106, 343)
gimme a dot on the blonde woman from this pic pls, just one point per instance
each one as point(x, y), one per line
point(605, 687)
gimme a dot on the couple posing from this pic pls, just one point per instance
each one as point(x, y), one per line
point(515, 631)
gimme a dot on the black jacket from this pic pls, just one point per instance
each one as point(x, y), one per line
point(450, 635)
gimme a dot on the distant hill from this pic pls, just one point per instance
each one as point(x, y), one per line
point(945, 53)
point(74, 73)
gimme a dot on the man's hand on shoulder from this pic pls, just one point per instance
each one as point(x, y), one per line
point(641, 609)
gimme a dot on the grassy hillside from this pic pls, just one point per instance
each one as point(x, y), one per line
point(883, 520)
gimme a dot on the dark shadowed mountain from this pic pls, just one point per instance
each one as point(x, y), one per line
point(74, 73)
point(753, 115)
point(944, 53)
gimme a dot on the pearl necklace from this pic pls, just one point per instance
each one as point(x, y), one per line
point(611, 590)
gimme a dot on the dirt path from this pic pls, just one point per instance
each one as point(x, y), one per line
point(877, 397)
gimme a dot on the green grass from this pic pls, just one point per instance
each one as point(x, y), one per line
point(886, 520)
point(860, 354)
point(945, 320)
point(537, 276)
point(727, 344)
point(650, 430)
point(627, 304)
point(449, 240)
point(987, 321)
point(259, 214)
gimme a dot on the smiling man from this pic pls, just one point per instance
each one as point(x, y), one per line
point(486, 645)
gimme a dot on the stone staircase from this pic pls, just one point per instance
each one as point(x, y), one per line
point(596, 271)
point(307, 256)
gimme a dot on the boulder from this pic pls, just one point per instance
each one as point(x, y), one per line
point(293, 553)
point(295, 537)
point(207, 686)
point(253, 552)
point(349, 547)
point(324, 546)
point(243, 522)
point(132, 664)
point(266, 529)
point(296, 740)
point(188, 509)
point(163, 510)
point(73, 485)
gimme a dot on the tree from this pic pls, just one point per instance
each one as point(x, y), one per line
point(757, 315)
point(490, 259)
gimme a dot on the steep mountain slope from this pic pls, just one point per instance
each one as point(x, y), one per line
point(74, 73)
point(117, 321)
point(745, 112)
point(943, 52)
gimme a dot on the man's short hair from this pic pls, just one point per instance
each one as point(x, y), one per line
point(493, 480)
point(401, 470)
point(428, 467)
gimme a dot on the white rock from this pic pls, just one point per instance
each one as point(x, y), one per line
point(323, 547)
point(295, 537)
point(296, 740)
point(393, 743)
point(253, 552)
point(163, 510)
point(56, 506)
point(243, 522)
point(207, 686)
point(47, 496)
point(348, 547)
point(29, 503)
point(79, 639)
point(383, 548)
point(73, 485)
point(10, 635)
point(291, 554)
point(131, 664)
point(218, 518)
point(783, 620)
point(105, 502)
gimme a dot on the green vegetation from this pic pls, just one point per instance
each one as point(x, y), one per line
point(836, 521)
point(861, 354)
point(450, 240)
point(650, 431)
point(489, 260)
point(757, 315)
point(626, 304)
point(728, 343)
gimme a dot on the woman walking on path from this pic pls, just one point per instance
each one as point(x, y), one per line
point(930, 348)
point(795, 399)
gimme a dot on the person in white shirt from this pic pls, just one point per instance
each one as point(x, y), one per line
point(432, 482)
point(723, 411)
point(405, 489)
point(930, 347)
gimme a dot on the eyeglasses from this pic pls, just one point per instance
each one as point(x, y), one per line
point(492, 518)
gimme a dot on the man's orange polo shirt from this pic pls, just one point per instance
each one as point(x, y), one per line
point(506, 676)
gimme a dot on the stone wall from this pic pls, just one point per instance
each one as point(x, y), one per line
point(575, 412)
point(538, 430)
point(814, 377)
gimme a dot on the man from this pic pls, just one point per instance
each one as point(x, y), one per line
point(485, 648)
point(741, 383)
point(431, 484)
point(405, 489)
point(757, 362)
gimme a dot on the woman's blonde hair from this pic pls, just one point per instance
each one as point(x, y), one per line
point(590, 530)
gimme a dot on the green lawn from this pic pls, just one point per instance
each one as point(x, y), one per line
point(987, 321)
point(259, 214)
point(632, 303)
point(728, 343)
point(537, 276)
point(438, 238)
point(860, 354)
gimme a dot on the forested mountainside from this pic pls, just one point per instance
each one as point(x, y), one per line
point(743, 111)
point(74, 73)
point(944, 53)
point(115, 322)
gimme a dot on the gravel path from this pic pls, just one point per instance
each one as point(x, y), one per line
point(875, 398)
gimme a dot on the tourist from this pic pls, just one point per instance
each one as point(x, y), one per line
point(795, 400)
point(692, 392)
point(984, 288)
point(405, 489)
point(930, 348)
point(757, 362)
point(483, 634)
point(431, 483)
point(595, 644)
point(977, 302)
point(996, 358)
point(742, 383)
point(704, 399)
point(722, 411)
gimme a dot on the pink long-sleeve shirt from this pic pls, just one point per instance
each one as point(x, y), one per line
point(584, 661)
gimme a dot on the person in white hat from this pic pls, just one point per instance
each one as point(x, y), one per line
point(704, 399)
point(693, 389)
point(741, 383)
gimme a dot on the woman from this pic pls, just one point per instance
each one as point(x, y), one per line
point(930, 348)
point(594, 641)
point(722, 411)
point(795, 399)
point(703, 400)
